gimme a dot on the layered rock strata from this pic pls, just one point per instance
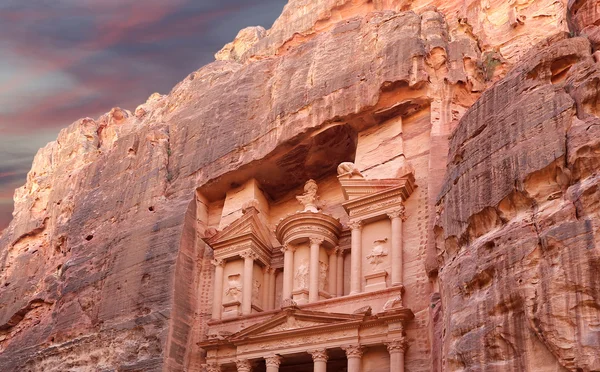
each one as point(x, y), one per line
point(103, 266)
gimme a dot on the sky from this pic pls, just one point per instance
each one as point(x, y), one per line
point(61, 60)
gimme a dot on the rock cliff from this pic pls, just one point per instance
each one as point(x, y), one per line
point(103, 268)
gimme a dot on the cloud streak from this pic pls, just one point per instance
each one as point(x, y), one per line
point(60, 61)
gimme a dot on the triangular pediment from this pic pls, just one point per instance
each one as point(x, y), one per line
point(292, 321)
point(247, 226)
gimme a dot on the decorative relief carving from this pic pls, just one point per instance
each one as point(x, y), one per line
point(288, 302)
point(353, 351)
point(378, 252)
point(218, 262)
point(273, 361)
point(355, 225)
point(323, 267)
point(348, 169)
point(248, 254)
point(319, 355)
point(393, 303)
point(234, 287)
point(301, 275)
point(398, 213)
point(317, 241)
point(310, 198)
point(212, 367)
point(243, 365)
point(375, 206)
point(255, 291)
point(399, 345)
point(287, 247)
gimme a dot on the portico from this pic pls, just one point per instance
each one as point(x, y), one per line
point(343, 339)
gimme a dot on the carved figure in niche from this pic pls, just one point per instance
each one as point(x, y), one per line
point(322, 275)
point(302, 275)
point(234, 287)
point(378, 252)
point(310, 198)
point(255, 291)
point(348, 169)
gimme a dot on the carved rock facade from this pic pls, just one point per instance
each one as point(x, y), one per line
point(365, 186)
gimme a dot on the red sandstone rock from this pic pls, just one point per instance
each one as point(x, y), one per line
point(103, 266)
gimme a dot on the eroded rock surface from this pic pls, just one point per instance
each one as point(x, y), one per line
point(103, 267)
point(517, 230)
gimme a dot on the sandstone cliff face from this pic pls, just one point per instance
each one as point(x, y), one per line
point(517, 230)
point(102, 267)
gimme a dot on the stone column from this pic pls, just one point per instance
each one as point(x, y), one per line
point(319, 359)
point(272, 288)
point(288, 271)
point(356, 257)
point(397, 217)
point(218, 292)
point(266, 287)
point(397, 348)
point(313, 270)
point(243, 365)
point(332, 279)
point(248, 281)
point(354, 354)
point(273, 363)
point(340, 273)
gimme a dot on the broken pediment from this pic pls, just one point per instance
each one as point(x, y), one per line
point(248, 231)
point(369, 198)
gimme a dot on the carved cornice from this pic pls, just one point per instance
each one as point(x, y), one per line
point(399, 345)
point(353, 351)
point(273, 361)
point(301, 226)
point(319, 355)
point(243, 365)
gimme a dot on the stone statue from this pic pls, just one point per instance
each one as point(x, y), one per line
point(256, 291)
point(323, 267)
point(348, 169)
point(310, 198)
point(302, 275)
point(234, 287)
point(377, 252)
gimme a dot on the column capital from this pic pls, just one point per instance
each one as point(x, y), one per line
point(339, 252)
point(273, 361)
point(271, 269)
point(267, 269)
point(218, 262)
point(355, 225)
point(288, 247)
point(353, 351)
point(248, 254)
point(399, 345)
point(317, 241)
point(399, 212)
point(333, 251)
point(243, 365)
point(319, 355)
point(212, 367)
